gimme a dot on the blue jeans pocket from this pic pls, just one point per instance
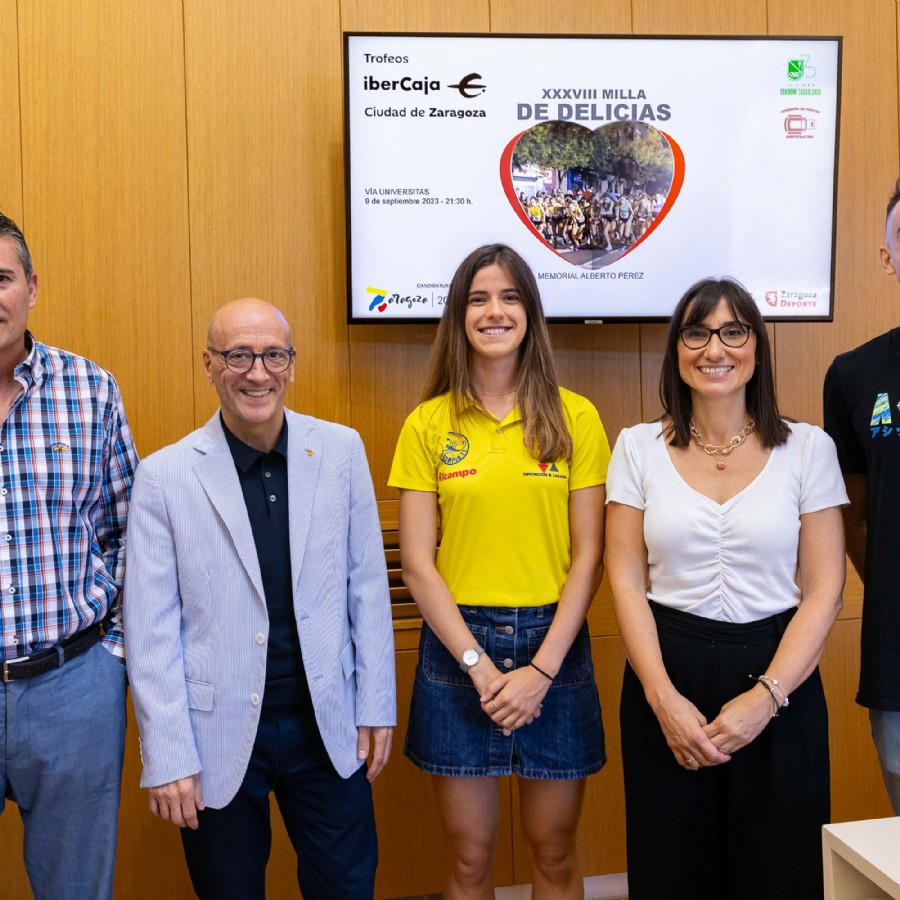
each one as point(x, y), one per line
point(437, 663)
point(576, 667)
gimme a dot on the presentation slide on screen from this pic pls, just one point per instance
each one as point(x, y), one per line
point(622, 169)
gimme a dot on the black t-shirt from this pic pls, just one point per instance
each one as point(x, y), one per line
point(862, 415)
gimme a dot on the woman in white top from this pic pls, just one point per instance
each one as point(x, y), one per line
point(713, 512)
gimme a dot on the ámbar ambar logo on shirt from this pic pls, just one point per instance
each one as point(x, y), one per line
point(456, 448)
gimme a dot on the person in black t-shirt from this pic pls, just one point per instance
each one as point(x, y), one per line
point(862, 415)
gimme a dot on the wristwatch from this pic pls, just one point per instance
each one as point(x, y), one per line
point(470, 657)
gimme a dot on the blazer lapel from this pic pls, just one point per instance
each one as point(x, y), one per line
point(304, 459)
point(216, 472)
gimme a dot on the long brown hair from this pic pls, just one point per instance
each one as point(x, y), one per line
point(537, 388)
point(697, 303)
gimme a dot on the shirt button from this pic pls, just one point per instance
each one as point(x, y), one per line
point(506, 732)
point(260, 638)
point(499, 431)
point(507, 663)
point(4, 491)
point(268, 474)
point(509, 629)
point(11, 589)
point(272, 497)
point(9, 537)
point(254, 699)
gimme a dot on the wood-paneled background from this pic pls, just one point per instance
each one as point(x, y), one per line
point(166, 156)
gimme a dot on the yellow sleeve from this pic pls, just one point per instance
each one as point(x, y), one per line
point(414, 466)
point(590, 457)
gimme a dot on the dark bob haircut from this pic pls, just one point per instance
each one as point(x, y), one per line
point(693, 308)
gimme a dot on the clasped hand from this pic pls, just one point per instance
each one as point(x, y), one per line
point(510, 699)
point(740, 720)
point(695, 743)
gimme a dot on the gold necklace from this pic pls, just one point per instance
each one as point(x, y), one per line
point(485, 394)
point(721, 450)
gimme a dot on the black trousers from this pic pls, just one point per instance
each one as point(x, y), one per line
point(330, 820)
point(749, 829)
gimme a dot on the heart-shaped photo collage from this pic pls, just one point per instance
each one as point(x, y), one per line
point(591, 197)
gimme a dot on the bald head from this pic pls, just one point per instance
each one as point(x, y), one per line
point(252, 400)
point(245, 316)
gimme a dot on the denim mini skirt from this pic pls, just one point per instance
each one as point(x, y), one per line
point(450, 734)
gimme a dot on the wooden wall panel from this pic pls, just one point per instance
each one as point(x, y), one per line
point(409, 15)
point(388, 363)
point(602, 363)
point(13, 881)
point(699, 17)
point(105, 199)
point(866, 301)
point(539, 17)
point(266, 180)
point(10, 134)
point(857, 791)
point(653, 345)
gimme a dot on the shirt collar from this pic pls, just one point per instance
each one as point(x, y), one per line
point(244, 455)
point(31, 370)
point(474, 407)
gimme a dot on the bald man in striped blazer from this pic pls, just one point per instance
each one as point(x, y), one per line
point(258, 628)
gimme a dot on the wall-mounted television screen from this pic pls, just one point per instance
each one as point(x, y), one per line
point(623, 169)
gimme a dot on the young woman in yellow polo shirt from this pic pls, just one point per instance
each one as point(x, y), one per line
point(515, 468)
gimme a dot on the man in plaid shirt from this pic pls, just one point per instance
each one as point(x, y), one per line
point(66, 466)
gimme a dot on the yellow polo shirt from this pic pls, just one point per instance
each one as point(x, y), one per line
point(504, 516)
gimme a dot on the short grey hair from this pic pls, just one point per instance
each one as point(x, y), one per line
point(9, 229)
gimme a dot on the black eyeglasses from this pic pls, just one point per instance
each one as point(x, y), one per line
point(734, 335)
point(275, 360)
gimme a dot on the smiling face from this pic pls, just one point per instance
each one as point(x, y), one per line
point(717, 370)
point(18, 296)
point(253, 402)
point(496, 321)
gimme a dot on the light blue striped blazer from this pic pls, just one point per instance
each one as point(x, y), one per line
point(196, 626)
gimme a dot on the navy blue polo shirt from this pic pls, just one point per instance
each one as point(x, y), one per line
point(264, 483)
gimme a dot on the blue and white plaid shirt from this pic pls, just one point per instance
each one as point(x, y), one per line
point(67, 461)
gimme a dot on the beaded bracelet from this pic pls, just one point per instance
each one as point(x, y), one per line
point(537, 668)
point(777, 687)
point(768, 687)
point(772, 685)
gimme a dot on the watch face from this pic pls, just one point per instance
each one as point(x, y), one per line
point(470, 657)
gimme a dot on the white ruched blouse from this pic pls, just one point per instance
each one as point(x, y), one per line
point(735, 561)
